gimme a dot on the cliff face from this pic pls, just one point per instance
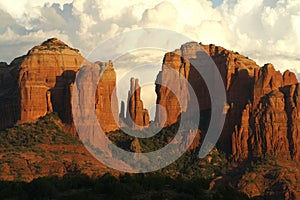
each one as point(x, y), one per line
point(9, 104)
point(270, 125)
point(137, 115)
point(106, 98)
point(238, 74)
point(236, 70)
point(172, 92)
point(42, 82)
point(262, 104)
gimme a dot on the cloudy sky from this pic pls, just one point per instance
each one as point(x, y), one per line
point(264, 30)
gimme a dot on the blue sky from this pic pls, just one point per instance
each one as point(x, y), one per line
point(217, 3)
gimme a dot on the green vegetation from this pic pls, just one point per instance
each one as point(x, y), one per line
point(139, 186)
point(187, 178)
point(45, 131)
point(188, 165)
point(159, 140)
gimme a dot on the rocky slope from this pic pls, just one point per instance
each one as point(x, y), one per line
point(32, 150)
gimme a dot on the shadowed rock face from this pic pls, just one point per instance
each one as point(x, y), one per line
point(9, 96)
point(42, 82)
point(137, 115)
point(236, 70)
point(171, 89)
point(269, 124)
point(262, 104)
point(271, 127)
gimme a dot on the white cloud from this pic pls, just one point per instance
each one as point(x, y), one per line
point(26, 8)
point(264, 30)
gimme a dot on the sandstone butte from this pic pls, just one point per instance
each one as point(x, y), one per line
point(42, 81)
point(263, 105)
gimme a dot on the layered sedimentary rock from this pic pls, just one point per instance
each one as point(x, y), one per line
point(41, 82)
point(45, 76)
point(137, 115)
point(106, 98)
point(92, 113)
point(272, 128)
point(171, 89)
point(268, 79)
point(262, 104)
point(237, 71)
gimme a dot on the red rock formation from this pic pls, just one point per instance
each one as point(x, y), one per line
point(46, 73)
point(262, 104)
point(292, 108)
point(42, 82)
point(268, 79)
point(237, 71)
point(92, 120)
point(289, 78)
point(171, 89)
point(137, 116)
point(106, 98)
point(240, 134)
point(272, 126)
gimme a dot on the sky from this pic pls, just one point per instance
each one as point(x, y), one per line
point(264, 30)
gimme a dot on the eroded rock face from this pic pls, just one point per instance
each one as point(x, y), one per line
point(271, 127)
point(268, 79)
point(137, 115)
point(262, 104)
point(93, 119)
point(42, 82)
point(172, 92)
point(238, 73)
point(45, 75)
point(106, 98)
point(236, 70)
